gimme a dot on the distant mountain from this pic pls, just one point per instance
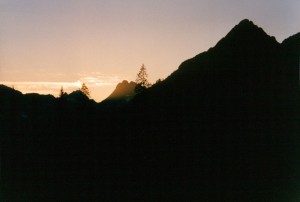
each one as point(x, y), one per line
point(17, 108)
point(7, 91)
point(123, 93)
point(78, 97)
point(13, 98)
point(8, 99)
point(124, 90)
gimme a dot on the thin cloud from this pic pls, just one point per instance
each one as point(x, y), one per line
point(49, 87)
point(100, 80)
point(42, 87)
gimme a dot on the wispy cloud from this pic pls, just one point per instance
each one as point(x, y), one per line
point(92, 80)
point(42, 87)
point(98, 79)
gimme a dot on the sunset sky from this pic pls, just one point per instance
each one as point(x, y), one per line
point(46, 44)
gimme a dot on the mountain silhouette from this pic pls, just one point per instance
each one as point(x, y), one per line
point(78, 97)
point(235, 104)
point(245, 68)
point(124, 89)
point(121, 96)
point(222, 127)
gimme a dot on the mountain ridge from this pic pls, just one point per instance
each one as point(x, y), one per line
point(245, 64)
point(223, 127)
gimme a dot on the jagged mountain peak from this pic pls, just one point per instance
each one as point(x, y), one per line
point(246, 27)
point(246, 64)
point(245, 47)
point(246, 23)
point(123, 93)
point(125, 83)
point(123, 90)
point(246, 33)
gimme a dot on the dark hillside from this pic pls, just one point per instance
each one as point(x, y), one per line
point(223, 127)
point(228, 115)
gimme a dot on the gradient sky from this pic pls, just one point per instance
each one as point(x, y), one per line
point(46, 44)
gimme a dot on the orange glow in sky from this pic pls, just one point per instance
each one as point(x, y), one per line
point(48, 44)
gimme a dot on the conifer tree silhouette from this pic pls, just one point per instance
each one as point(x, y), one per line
point(85, 90)
point(61, 92)
point(142, 80)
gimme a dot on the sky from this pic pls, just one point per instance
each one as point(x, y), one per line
point(46, 44)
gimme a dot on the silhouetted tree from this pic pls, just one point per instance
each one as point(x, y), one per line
point(84, 89)
point(158, 81)
point(141, 80)
point(61, 92)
